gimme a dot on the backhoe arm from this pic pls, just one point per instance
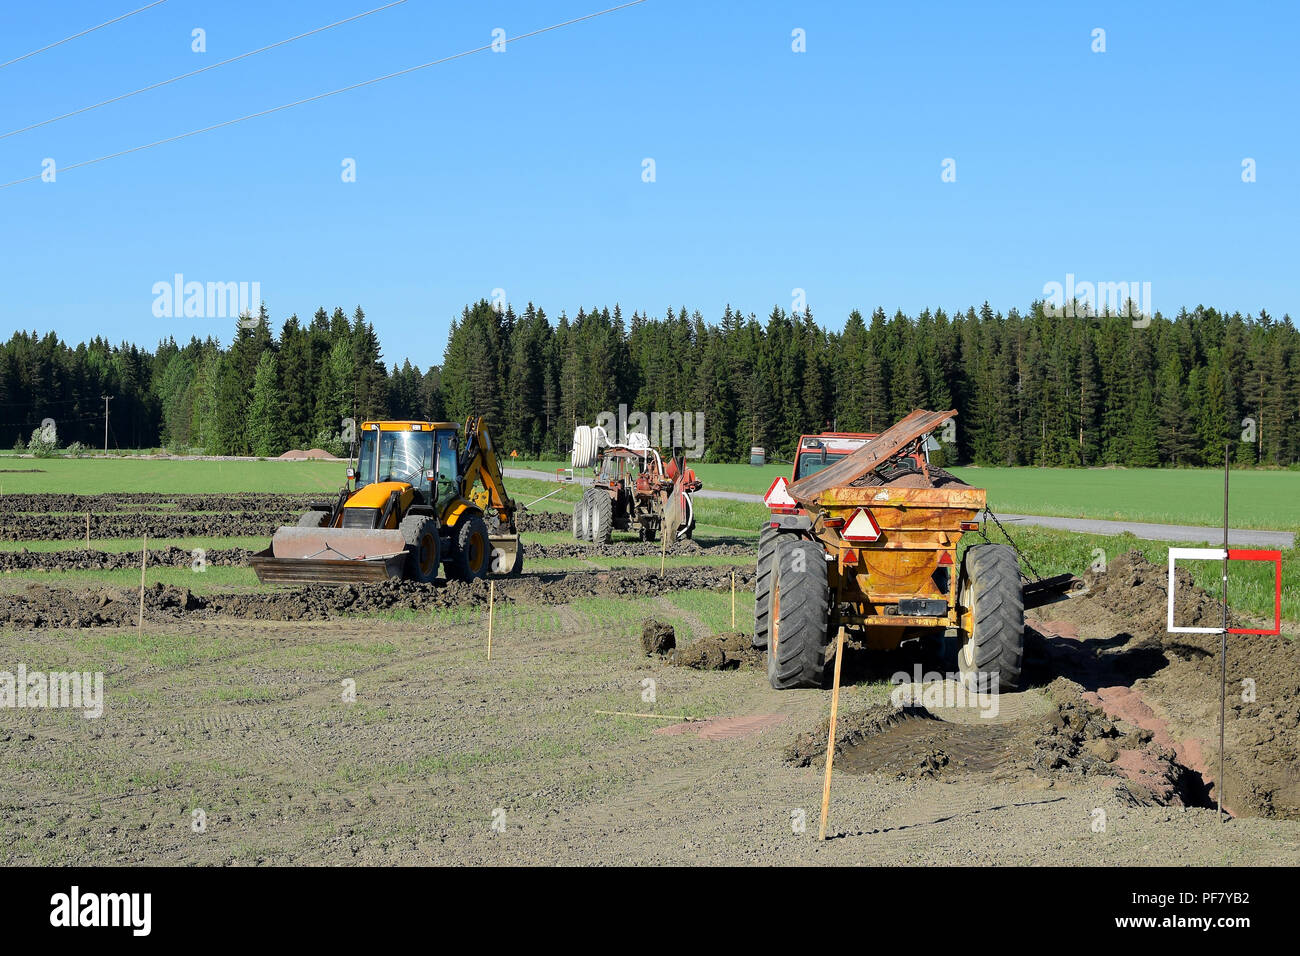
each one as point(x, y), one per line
point(481, 464)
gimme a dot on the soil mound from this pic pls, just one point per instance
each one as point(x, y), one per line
point(657, 637)
point(727, 650)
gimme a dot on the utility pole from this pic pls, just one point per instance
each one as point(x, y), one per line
point(107, 399)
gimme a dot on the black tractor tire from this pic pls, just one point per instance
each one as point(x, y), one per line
point(799, 613)
point(472, 556)
point(992, 653)
point(589, 515)
point(578, 512)
point(420, 533)
point(585, 518)
point(313, 519)
point(602, 518)
point(763, 584)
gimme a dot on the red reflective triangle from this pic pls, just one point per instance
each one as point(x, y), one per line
point(778, 496)
point(861, 527)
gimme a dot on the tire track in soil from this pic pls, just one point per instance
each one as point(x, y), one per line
point(269, 717)
point(273, 718)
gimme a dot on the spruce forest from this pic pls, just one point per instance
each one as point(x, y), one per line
point(1030, 389)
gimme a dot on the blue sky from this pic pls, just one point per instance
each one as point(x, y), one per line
point(775, 170)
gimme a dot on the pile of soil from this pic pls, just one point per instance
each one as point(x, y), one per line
point(1136, 591)
point(724, 651)
point(657, 637)
point(564, 587)
point(1073, 741)
point(904, 477)
point(1167, 686)
point(82, 560)
point(50, 503)
point(322, 603)
point(539, 521)
point(156, 524)
point(623, 549)
point(41, 605)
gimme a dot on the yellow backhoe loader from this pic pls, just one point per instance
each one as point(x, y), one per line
point(409, 508)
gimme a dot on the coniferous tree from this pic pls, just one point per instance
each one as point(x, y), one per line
point(266, 425)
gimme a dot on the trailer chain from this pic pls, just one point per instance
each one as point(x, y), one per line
point(1020, 554)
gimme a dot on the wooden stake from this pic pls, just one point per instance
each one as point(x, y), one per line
point(663, 558)
point(830, 740)
point(733, 599)
point(87, 530)
point(492, 594)
point(144, 556)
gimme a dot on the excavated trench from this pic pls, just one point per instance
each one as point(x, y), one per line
point(1129, 703)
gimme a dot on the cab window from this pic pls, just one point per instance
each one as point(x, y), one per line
point(447, 455)
point(810, 462)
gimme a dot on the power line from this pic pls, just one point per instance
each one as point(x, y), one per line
point(44, 402)
point(185, 76)
point(74, 36)
point(58, 421)
point(321, 96)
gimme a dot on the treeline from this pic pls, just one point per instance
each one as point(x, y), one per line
point(1030, 389)
point(262, 395)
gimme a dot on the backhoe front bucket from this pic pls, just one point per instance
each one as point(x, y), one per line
point(330, 556)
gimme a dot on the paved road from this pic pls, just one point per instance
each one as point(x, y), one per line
point(1153, 532)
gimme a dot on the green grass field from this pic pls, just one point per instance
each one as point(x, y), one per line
point(93, 476)
point(1267, 500)
point(1260, 499)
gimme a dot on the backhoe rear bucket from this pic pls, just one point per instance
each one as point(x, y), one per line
point(330, 556)
point(507, 553)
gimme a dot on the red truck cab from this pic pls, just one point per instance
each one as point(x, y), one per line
point(813, 453)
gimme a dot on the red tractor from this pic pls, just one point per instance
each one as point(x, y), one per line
point(634, 489)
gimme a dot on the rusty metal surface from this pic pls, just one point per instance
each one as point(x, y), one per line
point(869, 456)
point(902, 504)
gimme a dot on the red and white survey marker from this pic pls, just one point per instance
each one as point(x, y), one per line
point(1232, 554)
